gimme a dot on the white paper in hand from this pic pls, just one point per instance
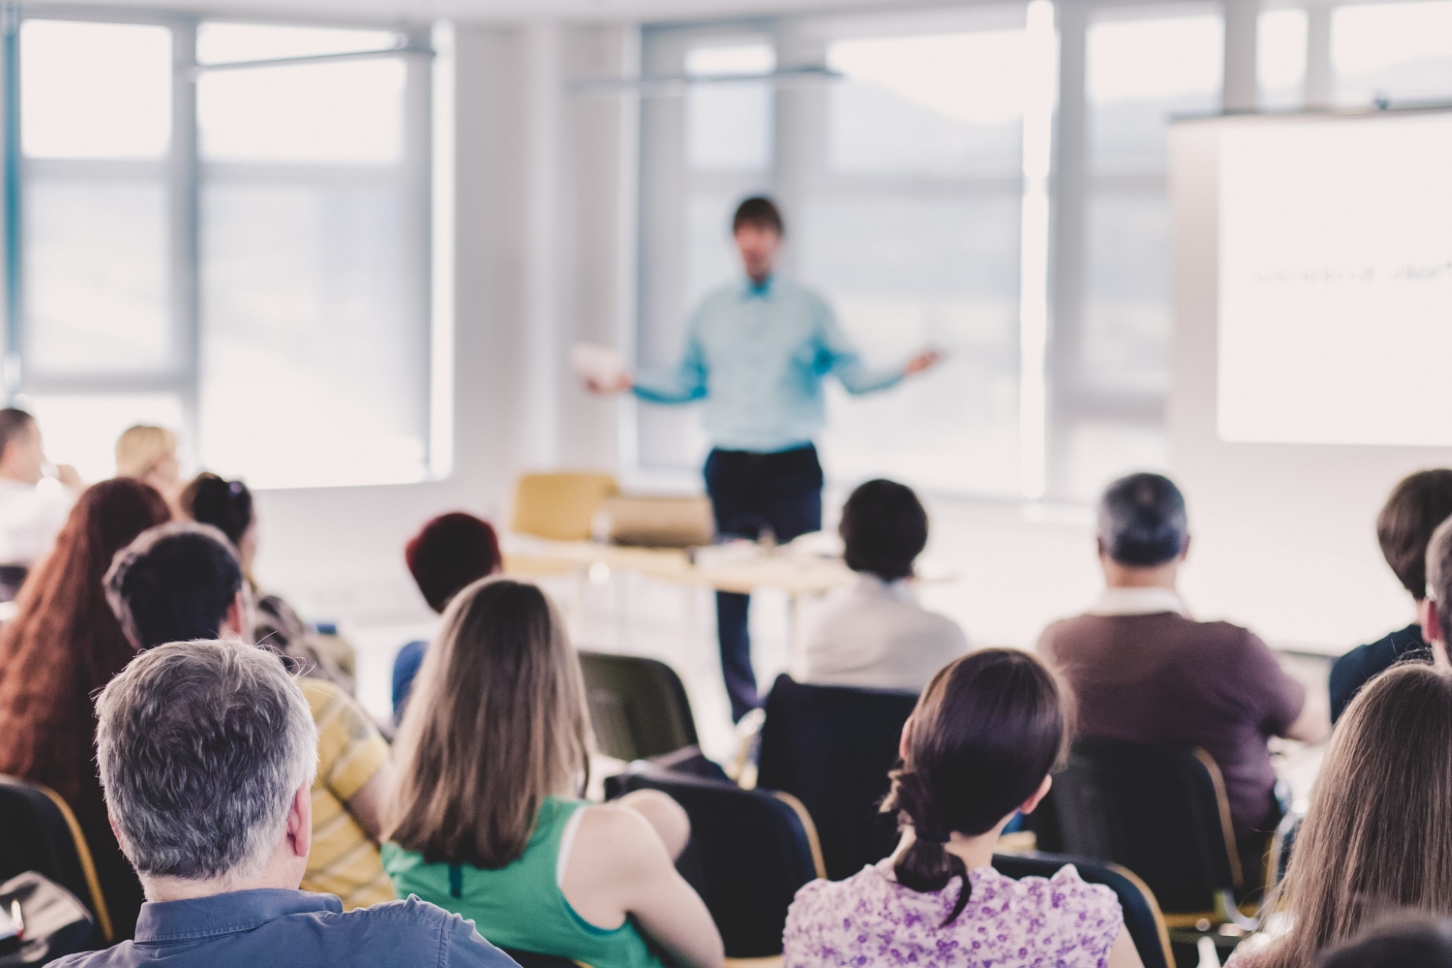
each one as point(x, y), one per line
point(596, 364)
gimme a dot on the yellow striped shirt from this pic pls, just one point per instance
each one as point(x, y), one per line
point(343, 860)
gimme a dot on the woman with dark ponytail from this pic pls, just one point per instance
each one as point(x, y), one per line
point(978, 748)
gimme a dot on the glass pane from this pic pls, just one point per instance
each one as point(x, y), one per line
point(224, 43)
point(1098, 453)
point(1126, 328)
point(1281, 59)
point(81, 429)
point(1396, 51)
point(313, 357)
point(90, 90)
point(342, 112)
point(1139, 74)
point(945, 104)
point(905, 272)
point(96, 258)
point(728, 124)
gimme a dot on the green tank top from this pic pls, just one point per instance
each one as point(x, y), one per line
point(521, 906)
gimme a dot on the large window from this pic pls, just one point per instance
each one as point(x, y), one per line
point(223, 227)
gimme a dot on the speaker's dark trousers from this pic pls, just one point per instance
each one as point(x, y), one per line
point(752, 493)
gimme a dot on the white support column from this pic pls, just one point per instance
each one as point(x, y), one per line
point(1318, 55)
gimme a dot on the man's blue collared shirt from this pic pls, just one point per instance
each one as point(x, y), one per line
point(294, 929)
point(757, 355)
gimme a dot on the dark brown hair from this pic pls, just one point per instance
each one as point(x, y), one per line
point(884, 528)
point(985, 733)
point(497, 723)
point(1378, 835)
point(451, 551)
point(225, 505)
point(1419, 503)
point(14, 424)
point(760, 211)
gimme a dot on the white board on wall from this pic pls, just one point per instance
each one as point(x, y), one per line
point(1335, 280)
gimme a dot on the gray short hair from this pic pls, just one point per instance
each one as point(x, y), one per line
point(1439, 577)
point(202, 746)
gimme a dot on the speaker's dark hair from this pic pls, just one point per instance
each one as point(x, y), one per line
point(985, 733)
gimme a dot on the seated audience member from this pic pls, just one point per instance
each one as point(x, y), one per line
point(1416, 506)
point(876, 635)
point(1435, 615)
point(1406, 942)
point(489, 823)
point(207, 753)
point(977, 749)
point(227, 506)
point(149, 454)
point(33, 507)
point(63, 645)
point(1375, 837)
point(451, 551)
point(1143, 670)
point(183, 581)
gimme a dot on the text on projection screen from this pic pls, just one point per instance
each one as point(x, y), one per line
point(1336, 281)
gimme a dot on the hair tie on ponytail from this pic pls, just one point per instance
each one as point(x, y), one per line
point(932, 835)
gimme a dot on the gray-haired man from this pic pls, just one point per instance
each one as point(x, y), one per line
point(207, 752)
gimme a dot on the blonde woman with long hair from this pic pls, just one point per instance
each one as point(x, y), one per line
point(488, 821)
point(1377, 837)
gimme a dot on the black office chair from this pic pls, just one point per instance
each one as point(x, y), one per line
point(638, 706)
point(1142, 916)
point(529, 959)
point(38, 832)
point(832, 747)
point(1159, 811)
point(1282, 844)
point(750, 851)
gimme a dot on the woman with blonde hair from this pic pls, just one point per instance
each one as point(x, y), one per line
point(148, 454)
point(1377, 837)
point(487, 822)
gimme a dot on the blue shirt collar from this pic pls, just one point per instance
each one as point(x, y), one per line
point(752, 289)
point(221, 914)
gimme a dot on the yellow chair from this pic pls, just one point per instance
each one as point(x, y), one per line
point(560, 505)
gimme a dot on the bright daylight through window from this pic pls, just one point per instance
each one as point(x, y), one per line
point(224, 229)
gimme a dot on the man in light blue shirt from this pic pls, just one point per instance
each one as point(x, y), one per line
point(756, 354)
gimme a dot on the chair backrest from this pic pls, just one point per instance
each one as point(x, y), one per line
point(638, 706)
point(529, 959)
point(39, 833)
point(560, 505)
point(1281, 846)
point(750, 852)
point(1159, 811)
point(1142, 916)
point(832, 747)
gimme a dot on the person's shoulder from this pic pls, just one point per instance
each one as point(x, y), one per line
point(411, 921)
point(615, 836)
point(117, 956)
point(1066, 894)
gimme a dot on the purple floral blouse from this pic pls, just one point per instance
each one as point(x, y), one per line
point(871, 921)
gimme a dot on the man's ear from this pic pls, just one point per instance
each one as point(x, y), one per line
point(902, 743)
point(116, 830)
point(300, 822)
point(1185, 551)
point(234, 623)
point(1032, 803)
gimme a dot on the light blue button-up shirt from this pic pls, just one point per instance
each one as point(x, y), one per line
point(757, 356)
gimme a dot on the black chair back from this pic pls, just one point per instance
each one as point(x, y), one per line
point(832, 747)
point(638, 706)
point(750, 851)
point(529, 959)
point(1282, 844)
point(1159, 811)
point(1142, 916)
point(39, 833)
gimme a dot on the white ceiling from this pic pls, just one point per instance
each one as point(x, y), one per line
point(494, 10)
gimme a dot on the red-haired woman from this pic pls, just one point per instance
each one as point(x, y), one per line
point(63, 644)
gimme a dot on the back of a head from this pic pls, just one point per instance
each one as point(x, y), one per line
point(1142, 521)
point(225, 505)
point(174, 583)
point(140, 448)
point(985, 733)
point(15, 424)
point(1416, 506)
point(451, 551)
point(202, 746)
point(760, 212)
point(1410, 941)
point(62, 607)
point(1378, 833)
point(497, 723)
point(884, 528)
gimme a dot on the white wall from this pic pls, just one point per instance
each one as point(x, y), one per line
point(537, 268)
point(1284, 535)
